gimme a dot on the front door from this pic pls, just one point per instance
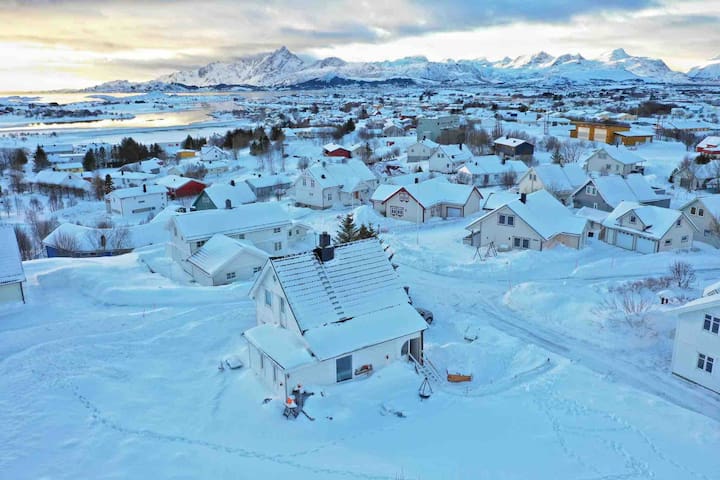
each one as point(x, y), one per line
point(416, 348)
point(343, 367)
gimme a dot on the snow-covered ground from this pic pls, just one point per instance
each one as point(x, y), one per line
point(110, 371)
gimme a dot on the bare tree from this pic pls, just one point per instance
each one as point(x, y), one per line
point(682, 273)
point(509, 179)
point(119, 238)
point(687, 172)
point(6, 204)
point(572, 151)
point(66, 242)
point(24, 242)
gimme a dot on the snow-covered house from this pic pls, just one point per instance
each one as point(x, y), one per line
point(211, 153)
point(616, 160)
point(491, 170)
point(178, 187)
point(136, 202)
point(449, 158)
point(127, 179)
point(508, 147)
point(11, 270)
point(330, 315)
point(267, 186)
point(71, 240)
point(220, 195)
point(647, 228)
point(607, 191)
point(62, 180)
point(696, 177)
point(326, 184)
point(535, 221)
point(151, 166)
point(705, 214)
point(335, 150)
point(560, 180)
point(421, 150)
point(418, 202)
point(709, 146)
point(696, 350)
point(222, 260)
point(267, 226)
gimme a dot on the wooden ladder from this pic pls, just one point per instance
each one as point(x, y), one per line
point(427, 369)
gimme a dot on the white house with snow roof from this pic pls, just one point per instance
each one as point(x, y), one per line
point(535, 221)
point(12, 275)
point(329, 315)
point(267, 226)
point(419, 202)
point(136, 202)
point(647, 228)
point(222, 260)
point(704, 211)
point(696, 350)
point(325, 184)
point(421, 150)
point(491, 170)
point(614, 160)
point(560, 180)
point(449, 158)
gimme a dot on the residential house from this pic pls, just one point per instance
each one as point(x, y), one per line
point(222, 260)
point(267, 226)
point(71, 240)
point(705, 214)
point(709, 146)
point(606, 192)
point(150, 166)
point(419, 202)
point(135, 202)
point(696, 350)
point(62, 181)
point(325, 184)
point(647, 228)
point(126, 179)
point(421, 151)
point(185, 153)
point(560, 180)
point(535, 221)
point(178, 187)
point(634, 137)
point(518, 148)
point(12, 275)
point(211, 153)
point(220, 195)
point(449, 158)
point(614, 160)
point(266, 187)
point(604, 132)
point(491, 170)
point(330, 315)
point(432, 127)
point(698, 176)
point(334, 150)
point(71, 167)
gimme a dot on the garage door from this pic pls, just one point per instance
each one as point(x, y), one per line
point(583, 133)
point(600, 135)
point(624, 240)
point(645, 245)
point(454, 212)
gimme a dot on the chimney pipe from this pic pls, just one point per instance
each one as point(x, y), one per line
point(325, 251)
point(523, 197)
point(144, 188)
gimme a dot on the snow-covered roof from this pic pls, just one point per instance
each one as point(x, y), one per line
point(122, 193)
point(285, 347)
point(88, 239)
point(711, 202)
point(510, 142)
point(11, 269)
point(62, 179)
point(710, 143)
point(383, 192)
point(498, 199)
point(615, 189)
point(147, 165)
point(430, 192)
point(636, 132)
point(560, 178)
point(620, 154)
point(593, 214)
point(491, 165)
point(544, 214)
point(238, 194)
point(457, 153)
point(427, 143)
point(267, 181)
point(175, 181)
point(712, 289)
point(220, 250)
point(244, 218)
point(702, 303)
point(347, 175)
point(331, 147)
point(657, 220)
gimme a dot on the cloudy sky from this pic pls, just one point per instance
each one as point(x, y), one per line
point(46, 44)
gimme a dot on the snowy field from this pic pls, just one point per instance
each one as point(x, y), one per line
point(110, 371)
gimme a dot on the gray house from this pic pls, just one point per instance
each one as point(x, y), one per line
point(606, 192)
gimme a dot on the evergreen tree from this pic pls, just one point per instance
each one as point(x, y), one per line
point(109, 187)
point(40, 161)
point(349, 126)
point(18, 159)
point(101, 156)
point(188, 143)
point(89, 161)
point(366, 231)
point(347, 231)
point(557, 157)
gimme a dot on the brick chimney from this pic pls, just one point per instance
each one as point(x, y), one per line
point(325, 250)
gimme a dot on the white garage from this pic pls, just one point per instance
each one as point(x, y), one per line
point(646, 245)
point(624, 240)
point(454, 212)
point(11, 269)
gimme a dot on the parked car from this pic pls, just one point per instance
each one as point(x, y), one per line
point(426, 314)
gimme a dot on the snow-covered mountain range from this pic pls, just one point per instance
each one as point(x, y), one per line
point(282, 68)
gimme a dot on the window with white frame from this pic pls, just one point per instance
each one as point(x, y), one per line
point(397, 211)
point(693, 210)
point(230, 276)
point(684, 239)
point(678, 223)
point(705, 362)
point(668, 242)
point(701, 212)
point(711, 324)
point(312, 183)
point(590, 190)
point(282, 304)
point(511, 220)
point(633, 219)
point(277, 246)
point(502, 219)
point(329, 196)
point(200, 243)
point(268, 298)
point(277, 230)
point(256, 269)
point(403, 197)
point(304, 182)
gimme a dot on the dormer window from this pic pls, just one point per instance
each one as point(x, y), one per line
point(633, 219)
point(678, 223)
point(590, 190)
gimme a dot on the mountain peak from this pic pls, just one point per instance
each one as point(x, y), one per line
point(615, 55)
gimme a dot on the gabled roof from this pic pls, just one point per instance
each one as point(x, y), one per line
point(498, 199)
point(702, 303)
point(427, 143)
point(615, 189)
point(510, 142)
point(346, 175)
point(175, 181)
point(11, 269)
point(285, 347)
point(657, 220)
point(244, 218)
point(350, 302)
point(238, 194)
point(63, 179)
point(456, 153)
point(220, 250)
point(620, 154)
point(492, 164)
point(711, 143)
point(267, 181)
point(121, 193)
point(711, 203)
point(429, 193)
point(560, 178)
point(544, 214)
point(331, 147)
